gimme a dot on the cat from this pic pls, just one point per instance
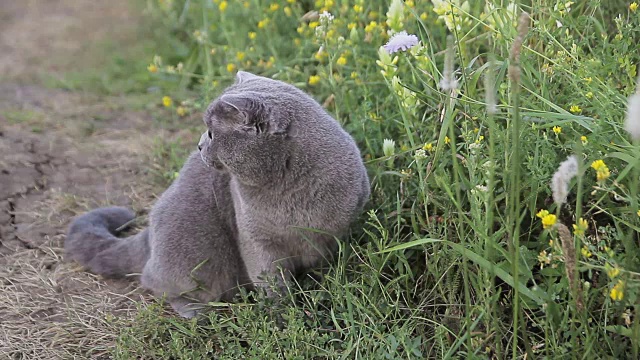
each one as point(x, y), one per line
point(274, 182)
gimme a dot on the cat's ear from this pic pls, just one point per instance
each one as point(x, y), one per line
point(250, 109)
point(242, 76)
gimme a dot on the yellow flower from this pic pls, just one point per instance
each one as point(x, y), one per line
point(240, 55)
point(252, 35)
point(548, 221)
point(479, 139)
point(223, 6)
point(638, 212)
point(166, 101)
point(575, 109)
point(231, 67)
point(246, 4)
point(612, 271)
point(291, 1)
point(297, 41)
point(314, 80)
point(447, 140)
point(263, 23)
point(589, 95)
point(584, 140)
point(585, 252)
point(287, 11)
point(152, 68)
point(617, 293)
point(542, 213)
point(314, 24)
point(602, 171)
point(557, 130)
point(181, 111)
point(342, 60)
point(351, 26)
point(358, 8)
point(588, 80)
point(633, 6)
point(423, 16)
point(354, 75)
point(372, 26)
point(274, 7)
point(580, 227)
point(428, 147)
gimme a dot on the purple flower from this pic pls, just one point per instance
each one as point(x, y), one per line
point(401, 42)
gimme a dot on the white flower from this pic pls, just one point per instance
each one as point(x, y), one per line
point(388, 147)
point(420, 154)
point(326, 17)
point(400, 42)
point(632, 122)
point(560, 182)
point(558, 24)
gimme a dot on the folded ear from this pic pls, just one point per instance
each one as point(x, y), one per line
point(242, 76)
point(250, 108)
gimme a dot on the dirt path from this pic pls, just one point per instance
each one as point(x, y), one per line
point(61, 153)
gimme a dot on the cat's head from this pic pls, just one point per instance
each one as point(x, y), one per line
point(249, 128)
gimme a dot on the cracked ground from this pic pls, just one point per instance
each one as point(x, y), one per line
point(62, 152)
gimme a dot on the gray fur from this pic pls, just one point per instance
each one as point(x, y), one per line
point(276, 180)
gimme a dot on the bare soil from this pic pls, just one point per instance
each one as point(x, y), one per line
point(62, 153)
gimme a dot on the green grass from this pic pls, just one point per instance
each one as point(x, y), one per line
point(451, 260)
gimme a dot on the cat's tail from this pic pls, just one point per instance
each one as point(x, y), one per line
point(92, 241)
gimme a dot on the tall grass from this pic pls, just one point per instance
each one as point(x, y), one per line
point(463, 252)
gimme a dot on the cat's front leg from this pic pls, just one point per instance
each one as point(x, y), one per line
point(268, 265)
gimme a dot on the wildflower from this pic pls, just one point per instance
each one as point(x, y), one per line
point(342, 60)
point(231, 67)
point(617, 292)
point(585, 252)
point(447, 140)
point(263, 23)
point(580, 227)
point(633, 6)
point(632, 121)
point(542, 213)
point(589, 95)
point(548, 221)
point(358, 8)
point(395, 16)
point(420, 154)
point(288, 11)
point(388, 147)
point(584, 140)
point(602, 171)
point(575, 109)
point(428, 147)
point(274, 7)
point(450, 11)
point(152, 68)
point(561, 179)
point(326, 17)
point(638, 213)
point(612, 271)
point(200, 36)
point(181, 111)
point(448, 81)
point(423, 16)
point(252, 35)
point(351, 26)
point(314, 80)
point(240, 55)
point(166, 101)
point(401, 42)
point(223, 6)
point(371, 26)
point(544, 258)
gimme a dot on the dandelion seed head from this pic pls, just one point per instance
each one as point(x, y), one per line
point(561, 179)
point(401, 42)
point(632, 121)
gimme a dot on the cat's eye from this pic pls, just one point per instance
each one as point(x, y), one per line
point(209, 134)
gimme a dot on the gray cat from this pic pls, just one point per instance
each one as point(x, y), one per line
point(275, 180)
